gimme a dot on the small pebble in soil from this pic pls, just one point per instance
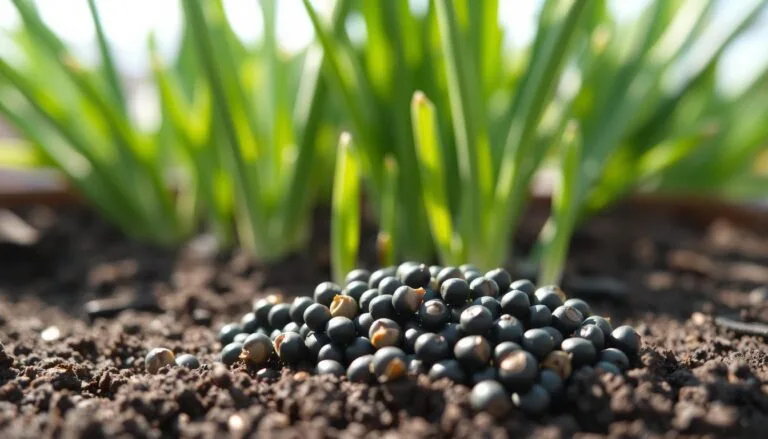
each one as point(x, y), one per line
point(187, 360)
point(158, 358)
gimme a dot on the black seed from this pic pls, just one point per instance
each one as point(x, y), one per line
point(256, 349)
point(450, 369)
point(540, 316)
point(304, 331)
point(468, 267)
point(231, 353)
point(359, 370)
point(582, 351)
point(503, 349)
point(159, 357)
point(249, 323)
point(363, 324)
point(516, 303)
point(388, 285)
point(476, 320)
point(299, 305)
point(331, 352)
point(594, 335)
point(625, 339)
point(566, 319)
point(385, 332)
point(239, 338)
point(359, 347)
point(275, 332)
point(292, 327)
point(381, 307)
point(355, 290)
point(357, 275)
point(431, 348)
point(262, 307)
point(517, 371)
point(315, 341)
point(491, 304)
point(325, 292)
point(341, 330)
point(317, 316)
point(473, 352)
point(581, 305)
point(431, 294)
point(434, 314)
point(558, 362)
point(538, 342)
point(416, 366)
point(600, 322)
point(343, 306)
point(228, 332)
point(266, 374)
point(490, 396)
point(409, 339)
point(407, 300)
point(557, 336)
point(472, 275)
point(389, 364)
point(330, 367)
point(448, 273)
point(434, 270)
point(501, 277)
point(489, 373)
point(279, 315)
point(366, 298)
point(290, 348)
point(188, 360)
point(523, 285)
point(378, 275)
point(417, 276)
point(506, 328)
point(550, 296)
point(615, 356)
point(404, 267)
point(551, 382)
point(534, 402)
point(607, 367)
point(483, 287)
point(452, 333)
point(455, 292)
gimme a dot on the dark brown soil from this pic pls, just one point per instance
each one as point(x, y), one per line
point(65, 374)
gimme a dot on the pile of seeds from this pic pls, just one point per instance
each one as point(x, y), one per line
point(514, 343)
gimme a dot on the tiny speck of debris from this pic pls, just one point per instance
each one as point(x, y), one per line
point(235, 423)
point(50, 333)
point(698, 318)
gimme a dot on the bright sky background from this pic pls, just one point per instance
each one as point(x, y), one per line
point(128, 22)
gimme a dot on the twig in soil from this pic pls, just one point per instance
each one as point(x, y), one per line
point(741, 327)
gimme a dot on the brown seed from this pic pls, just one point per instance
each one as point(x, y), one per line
point(344, 306)
point(559, 362)
point(157, 358)
point(395, 369)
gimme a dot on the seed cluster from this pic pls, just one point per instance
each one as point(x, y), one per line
point(516, 344)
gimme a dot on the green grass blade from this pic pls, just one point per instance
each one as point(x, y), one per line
point(21, 154)
point(345, 210)
point(386, 241)
point(107, 61)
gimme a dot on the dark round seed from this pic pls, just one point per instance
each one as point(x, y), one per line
point(516, 303)
point(594, 335)
point(315, 341)
point(557, 336)
point(456, 312)
point(357, 275)
point(490, 397)
point(518, 370)
point(416, 366)
point(483, 287)
point(501, 277)
point(506, 328)
point(582, 351)
point(607, 367)
point(538, 342)
point(450, 369)
point(249, 323)
point(434, 315)
point(341, 330)
point(388, 285)
point(366, 298)
point(292, 327)
point(279, 316)
point(489, 373)
point(448, 273)
point(316, 316)
point(385, 332)
point(256, 349)
point(299, 305)
point(330, 367)
point(325, 292)
point(343, 306)
point(431, 348)
point(615, 356)
point(275, 332)
point(551, 382)
point(539, 316)
point(581, 305)
point(566, 319)
point(187, 360)
point(290, 348)
point(600, 322)
point(476, 320)
point(523, 285)
point(417, 276)
point(503, 349)
point(625, 339)
point(262, 307)
point(228, 332)
point(231, 353)
point(534, 402)
point(455, 292)
point(404, 267)
point(359, 347)
point(558, 362)
point(472, 275)
point(331, 352)
point(452, 332)
point(159, 357)
point(355, 290)
point(473, 352)
point(434, 270)
point(266, 374)
point(363, 324)
point(491, 304)
point(431, 294)
point(381, 307)
point(359, 370)
point(378, 275)
point(239, 338)
point(304, 331)
point(407, 300)
point(468, 267)
point(550, 296)
point(409, 339)
point(389, 364)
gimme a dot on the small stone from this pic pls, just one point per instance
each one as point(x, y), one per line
point(50, 333)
